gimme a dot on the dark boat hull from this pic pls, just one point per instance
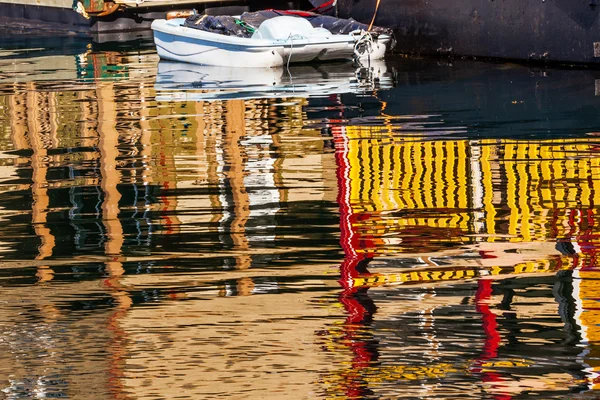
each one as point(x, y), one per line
point(549, 30)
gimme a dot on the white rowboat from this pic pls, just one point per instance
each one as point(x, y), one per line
point(277, 42)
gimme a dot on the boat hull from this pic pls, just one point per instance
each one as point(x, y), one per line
point(553, 30)
point(179, 43)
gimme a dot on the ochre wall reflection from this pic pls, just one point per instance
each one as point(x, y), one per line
point(74, 139)
point(115, 174)
point(40, 122)
point(219, 339)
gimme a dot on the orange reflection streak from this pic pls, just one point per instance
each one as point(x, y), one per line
point(44, 273)
point(39, 164)
point(109, 140)
point(18, 125)
point(53, 119)
point(212, 162)
point(244, 286)
point(18, 120)
point(235, 128)
point(108, 147)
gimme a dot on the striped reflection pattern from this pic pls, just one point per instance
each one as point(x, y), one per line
point(459, 191)
point(465, 210)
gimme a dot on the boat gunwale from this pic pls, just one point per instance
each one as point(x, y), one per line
point(168, 27)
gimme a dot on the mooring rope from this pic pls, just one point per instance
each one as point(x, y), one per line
point(363, 44)
point(374, 15)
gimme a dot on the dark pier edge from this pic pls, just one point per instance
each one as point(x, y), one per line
point(41, 20)
point(18, 19)
point(564, 31)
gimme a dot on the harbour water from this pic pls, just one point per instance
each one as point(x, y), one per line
point(414, 229)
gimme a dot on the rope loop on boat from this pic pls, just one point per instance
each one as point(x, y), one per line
point(363, 43)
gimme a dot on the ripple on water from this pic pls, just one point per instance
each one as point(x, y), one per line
point(409, 229)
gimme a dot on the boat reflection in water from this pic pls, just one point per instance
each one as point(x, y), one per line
point(193, 232)
point(185, 81)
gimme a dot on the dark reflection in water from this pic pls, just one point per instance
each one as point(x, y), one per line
point(412, 229)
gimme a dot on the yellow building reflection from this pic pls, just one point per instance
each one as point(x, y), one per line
point(466, 210)
point(464, 191)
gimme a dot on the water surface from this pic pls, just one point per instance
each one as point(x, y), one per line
point(413, 229)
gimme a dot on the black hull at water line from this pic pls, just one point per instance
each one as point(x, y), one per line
point(543, 30)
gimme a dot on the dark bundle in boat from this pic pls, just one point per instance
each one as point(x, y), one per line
point(248, 22)
point(221, 24)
